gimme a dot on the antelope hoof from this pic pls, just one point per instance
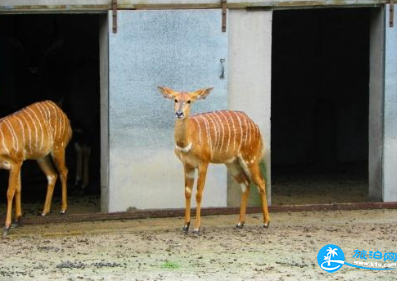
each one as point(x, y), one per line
point(185, 228)
point(45, 213)
point(62, 212)
point(240, 225)
point(5, 231)
point(266, 225)
point(197, 232)
point(16, 223)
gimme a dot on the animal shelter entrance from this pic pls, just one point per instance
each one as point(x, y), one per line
point(55, 57)
point(320, 106)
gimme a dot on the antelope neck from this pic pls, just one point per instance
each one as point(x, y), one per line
point(181, 133)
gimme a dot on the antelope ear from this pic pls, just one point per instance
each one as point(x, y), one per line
point(166, 92)
point(201, 94)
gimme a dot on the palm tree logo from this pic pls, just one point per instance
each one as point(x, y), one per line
point(330, 254)
point(331, 258)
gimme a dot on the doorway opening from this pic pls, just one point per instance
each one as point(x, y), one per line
point(320, 106)
point(55, 57)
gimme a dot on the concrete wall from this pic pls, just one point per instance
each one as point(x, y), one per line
point(180, 49)
point(376, 103)
point(250, 41)
point(104, 109)
point(390, 113)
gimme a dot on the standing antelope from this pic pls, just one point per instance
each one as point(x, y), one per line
point(35, 132)
point(225, 136)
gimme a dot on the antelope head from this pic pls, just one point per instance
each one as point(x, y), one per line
point(183, 100)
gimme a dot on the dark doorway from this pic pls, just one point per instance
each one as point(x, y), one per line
point(320, 106)
point(55, 57)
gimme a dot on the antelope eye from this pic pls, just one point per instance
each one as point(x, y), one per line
point(189, 101)
point(175, 100)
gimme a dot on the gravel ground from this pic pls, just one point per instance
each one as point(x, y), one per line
point(155, 249)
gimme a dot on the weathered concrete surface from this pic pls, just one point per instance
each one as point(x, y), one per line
point(250, 41)
point(180, 49)
point(104, 110)
point(390, 113)
point(376, 103)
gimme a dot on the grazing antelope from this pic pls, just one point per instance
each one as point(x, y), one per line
point(37, 132)
point(228, 137)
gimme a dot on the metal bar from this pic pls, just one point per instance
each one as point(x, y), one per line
point(114, 16)
point(391, 13)
point(205, 212)
point(224, 11)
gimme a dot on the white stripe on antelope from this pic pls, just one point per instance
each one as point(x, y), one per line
point(224, 136)
point(19, 143)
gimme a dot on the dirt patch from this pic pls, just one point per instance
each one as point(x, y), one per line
point(155, 249)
